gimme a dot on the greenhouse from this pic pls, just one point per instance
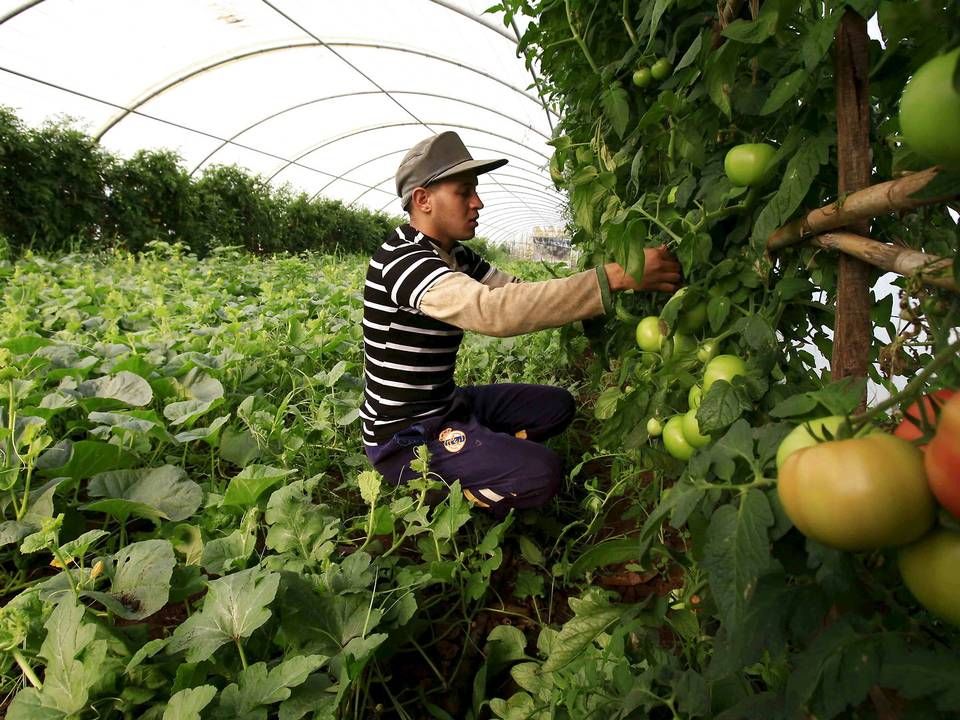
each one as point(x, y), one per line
point(424, 359)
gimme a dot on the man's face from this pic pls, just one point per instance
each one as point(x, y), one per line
point(455, 207)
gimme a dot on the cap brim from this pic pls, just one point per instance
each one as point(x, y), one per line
point(477, 167)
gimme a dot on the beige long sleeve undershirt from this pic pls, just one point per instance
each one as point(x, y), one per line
point(513, 308)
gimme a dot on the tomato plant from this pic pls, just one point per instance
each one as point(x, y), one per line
point(747, 164)
point(929, 569)
point(661, 69)
point(691, 430)
point(942, 457)
point(930, 111)
point(858, 494)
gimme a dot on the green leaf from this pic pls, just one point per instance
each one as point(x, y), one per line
point(718, 310)
point(369, 482)
point(592, 616)
point(801, 171)
point(256, 687)
point(78, 460)
point(738, 552)
point(616, 106)
point(607, 552)
point(73, 666)
point(187, 703)
point(758, 333)
point(786, 88)
point(451, 515)
point(720, 406)
point(719, 75)
point(249, 484)
point(234, 607)
point(528, 584)
point(141, 580)
point(312, 698)
point(207, 433)
point(125, 386)
point(165, 490)
point(529, 550)
point(690, 56)
point(606, 404)
point(299, 528)
point(204, 393)
point(755, 31)
point(223, 555)
point(148, 650)
point(820, 39)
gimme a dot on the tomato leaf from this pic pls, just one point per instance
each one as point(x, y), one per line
point(592, 616)
point(616, 106)
point(737, 553)
point(786, 88)
point(719, 75)
point(721, 405)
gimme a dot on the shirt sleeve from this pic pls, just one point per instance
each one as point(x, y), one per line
point(514, 308)
point(412, 272)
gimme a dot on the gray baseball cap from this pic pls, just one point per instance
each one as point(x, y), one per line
point(434, 159)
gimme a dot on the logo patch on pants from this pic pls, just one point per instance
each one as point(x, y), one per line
point(452, 440)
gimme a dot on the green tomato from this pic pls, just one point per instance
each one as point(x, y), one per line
point(661, 69)
point(723, 367)
point(642, 77)
point(693, 318)
point(747, 164)
point(694, 395)
point(930, 106)
point(929, 569)
point(651, 332)
point(691, 430)
point(807, 434)
point(654, 427)
point(674, 440)
point(707, 350)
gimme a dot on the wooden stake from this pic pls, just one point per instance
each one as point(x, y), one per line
point(853, 331)
point(931, 269)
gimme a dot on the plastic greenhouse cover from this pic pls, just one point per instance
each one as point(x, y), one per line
point(322, 96)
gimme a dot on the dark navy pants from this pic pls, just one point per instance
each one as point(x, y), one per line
point(490, 441)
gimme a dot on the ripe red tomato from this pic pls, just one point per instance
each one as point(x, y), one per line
point(929, 569)
point(942, 458)
point(910, 428)
point(858, 494)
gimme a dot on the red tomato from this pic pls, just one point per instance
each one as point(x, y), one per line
point(911, 427)
point(942, 458)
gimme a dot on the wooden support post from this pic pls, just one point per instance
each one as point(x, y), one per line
point(853, 330)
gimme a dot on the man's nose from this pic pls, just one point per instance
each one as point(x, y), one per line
point(476, 202)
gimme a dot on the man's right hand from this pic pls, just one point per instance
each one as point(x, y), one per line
point(661, 272)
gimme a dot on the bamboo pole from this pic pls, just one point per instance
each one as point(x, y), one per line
point(864, 204)
point(930, 269)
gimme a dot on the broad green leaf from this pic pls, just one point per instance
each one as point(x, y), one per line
point(166, 490)
point(369, 482)
point(223, 555)
point(312, 698)
point(299, 528)
point(207, 433)
point(249, 484)
point(238, 447)
point(720, 72)
point(233, 608)
point(451, 515)
point(78, 547)
point(786, 88)
point(126, 387)
point(256, 687)
point(616, 106)
point(187, 703)
point(529, 550)
point(607, 552)
point(83, 459)
point(203, 392)
point(606, 404)
point(148, 650)
point(592, 617)
point(529, 583)
point(691, 53)
point(141, 580)
point(756, 31)
point(720, 406)
point(799, 175)
point(738, 552)
point(505, 644)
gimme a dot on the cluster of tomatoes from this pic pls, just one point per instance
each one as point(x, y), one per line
point(660, 70)
point(879, 490)
point(681, 432)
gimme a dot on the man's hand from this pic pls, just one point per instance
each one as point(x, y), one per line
point(661, 271)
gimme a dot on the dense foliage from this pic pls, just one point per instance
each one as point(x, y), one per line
point(60, 190)
point(765, 622)
point(187, 522)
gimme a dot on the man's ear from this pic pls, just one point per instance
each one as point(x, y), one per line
point(421, 200)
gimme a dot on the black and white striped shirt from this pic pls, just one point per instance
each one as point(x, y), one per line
point(409, 357)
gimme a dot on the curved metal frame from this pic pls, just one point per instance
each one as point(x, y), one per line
point(150, 95)
point(357, 94)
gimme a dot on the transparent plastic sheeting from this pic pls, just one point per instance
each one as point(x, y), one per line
point(322, 96)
